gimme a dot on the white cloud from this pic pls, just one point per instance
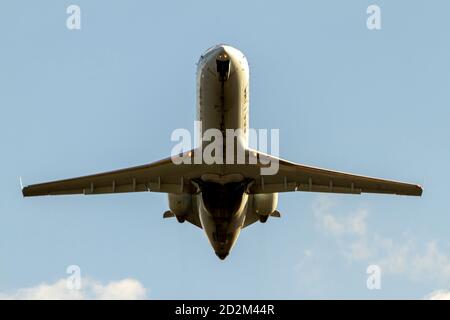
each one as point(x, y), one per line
point(419, 262)
point(124, 289)
point(354, 224)
point(439, 295)
point(433, 263)
point(90, 289)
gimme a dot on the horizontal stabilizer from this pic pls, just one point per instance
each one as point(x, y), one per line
point(168, 214)
point(275, 214)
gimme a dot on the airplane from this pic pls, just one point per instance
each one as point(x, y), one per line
point(222, 198)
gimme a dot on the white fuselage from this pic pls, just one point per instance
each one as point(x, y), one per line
point(223, 103)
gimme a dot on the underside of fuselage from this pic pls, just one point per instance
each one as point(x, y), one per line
point(220, 206)
point(222, 210)
point(222, 87)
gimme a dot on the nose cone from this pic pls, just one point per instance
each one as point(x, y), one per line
point(222, 52)
point(216, 50)
point(224, 60)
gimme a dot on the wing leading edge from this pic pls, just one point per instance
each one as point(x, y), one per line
point(297, 177)
point(165, 176)
point(159, 176)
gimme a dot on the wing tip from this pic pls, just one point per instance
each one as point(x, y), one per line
point(22, 188)
point(416, 190)
point(419, 190)
point(25, 192)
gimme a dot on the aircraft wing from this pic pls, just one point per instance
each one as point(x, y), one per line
point(165, 176)
point(297, 177)
point(159, 176)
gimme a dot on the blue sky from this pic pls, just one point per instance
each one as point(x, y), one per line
point(109, 95)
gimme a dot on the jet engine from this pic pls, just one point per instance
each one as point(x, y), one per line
point(264, 205)
point(180, 205)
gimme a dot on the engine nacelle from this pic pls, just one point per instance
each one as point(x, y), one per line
point(265, 203)
point(180, 205)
